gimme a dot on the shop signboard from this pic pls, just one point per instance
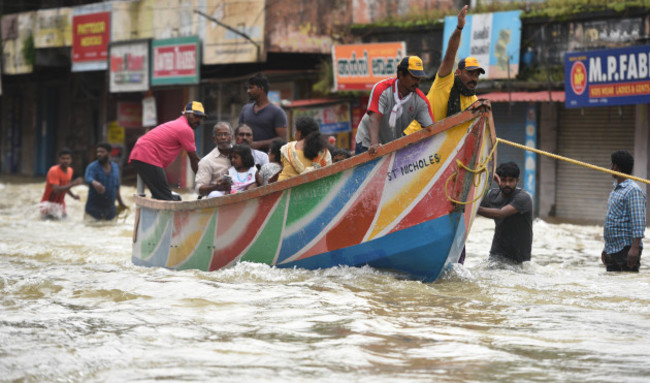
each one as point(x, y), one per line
point(16, 34)
point(175, 61)
point(360, 66)
point(129, 70)
point(530, 164)
point(493, 38)
point(53, 28)
point(609, 77)
point(91, 34)
point(332, 119)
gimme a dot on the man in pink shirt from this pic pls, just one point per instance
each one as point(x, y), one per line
point(160, 146)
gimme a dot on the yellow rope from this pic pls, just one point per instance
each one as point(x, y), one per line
point(481, 168)
point(570, 160)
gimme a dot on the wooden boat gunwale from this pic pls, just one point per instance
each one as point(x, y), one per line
point(477, 110)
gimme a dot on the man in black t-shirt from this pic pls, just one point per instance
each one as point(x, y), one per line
point(512, 210)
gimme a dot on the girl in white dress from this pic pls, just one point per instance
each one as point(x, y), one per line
point(242, 172)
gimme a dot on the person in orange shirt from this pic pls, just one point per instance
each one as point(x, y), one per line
point(57, 185)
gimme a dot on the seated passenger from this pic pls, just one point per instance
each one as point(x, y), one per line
point(213, 167)
point(340, 154)
point(306, 154)
point(242, 172)
point(269, 172)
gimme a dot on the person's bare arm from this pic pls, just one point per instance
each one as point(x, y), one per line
point(194, 161)
point(447, 65)
point(223, 184)
point(493, 213)
point(263, 145)
point(373, 131)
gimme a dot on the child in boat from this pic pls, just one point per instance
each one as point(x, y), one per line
point(242, 172)
point(269, 172)
point(340, 154)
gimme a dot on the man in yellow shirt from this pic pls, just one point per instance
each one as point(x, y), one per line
point(452, 93)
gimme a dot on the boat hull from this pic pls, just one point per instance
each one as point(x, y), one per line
point(409, 210)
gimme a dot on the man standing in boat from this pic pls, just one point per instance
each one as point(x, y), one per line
point(625, 220)
point(213, 167)
point(160, 146)
point(452, 93)
point(512, 210)
point(267, 120)
point(393, 104)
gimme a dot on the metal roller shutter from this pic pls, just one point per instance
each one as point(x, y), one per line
point(581, 192)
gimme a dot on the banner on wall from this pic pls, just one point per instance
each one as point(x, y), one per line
point(129, 70)
point(493, 38)
point(53, 28)
point(607, 77)
point(331, 119)
point(360, 66)
point(175, 61)
point(16, 33)
point(129, 114)
point(91, 33)
point(223, 46)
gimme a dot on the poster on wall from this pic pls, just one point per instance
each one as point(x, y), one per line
point(493, 38)
point(607, 77)
point(224, 46)
point(149, 112)
point(91, 33)
point(175, 61)
point(129, 69)
point(53, 28)
point(360, 66)
point(16, 35)
point(332, 119)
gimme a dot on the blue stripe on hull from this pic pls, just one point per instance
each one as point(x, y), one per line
point(422, 250)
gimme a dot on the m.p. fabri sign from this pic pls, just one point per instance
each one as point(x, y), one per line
point(607, 77)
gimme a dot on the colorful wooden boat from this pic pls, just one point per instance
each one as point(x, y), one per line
point(408, 209)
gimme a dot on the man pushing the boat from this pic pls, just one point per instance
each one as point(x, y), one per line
point(450, 92)
point(160, 146)
point(393, 104)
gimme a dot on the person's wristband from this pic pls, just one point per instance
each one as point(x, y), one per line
point(459, 28)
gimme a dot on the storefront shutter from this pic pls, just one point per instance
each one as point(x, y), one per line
point(590, 135)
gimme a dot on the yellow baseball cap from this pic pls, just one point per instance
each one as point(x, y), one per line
point(196, 108)
point(414, 65)
point(470, 63)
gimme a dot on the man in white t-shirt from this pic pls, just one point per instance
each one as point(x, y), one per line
point(393, 104)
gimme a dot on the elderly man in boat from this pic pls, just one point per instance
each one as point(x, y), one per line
point(213, 167)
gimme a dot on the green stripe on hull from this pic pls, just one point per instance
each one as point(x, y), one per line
point(202, 255)
point(306, 197)
point(151, 240)
point(266, 244)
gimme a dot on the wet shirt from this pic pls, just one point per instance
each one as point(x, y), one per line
point(161, 145)
point(102, 205)
point(56, 176)
point(513, 236)
point(625, 217)
point(382, 102)
point(264, 121)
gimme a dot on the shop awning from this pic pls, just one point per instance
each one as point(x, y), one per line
point(541, 96)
